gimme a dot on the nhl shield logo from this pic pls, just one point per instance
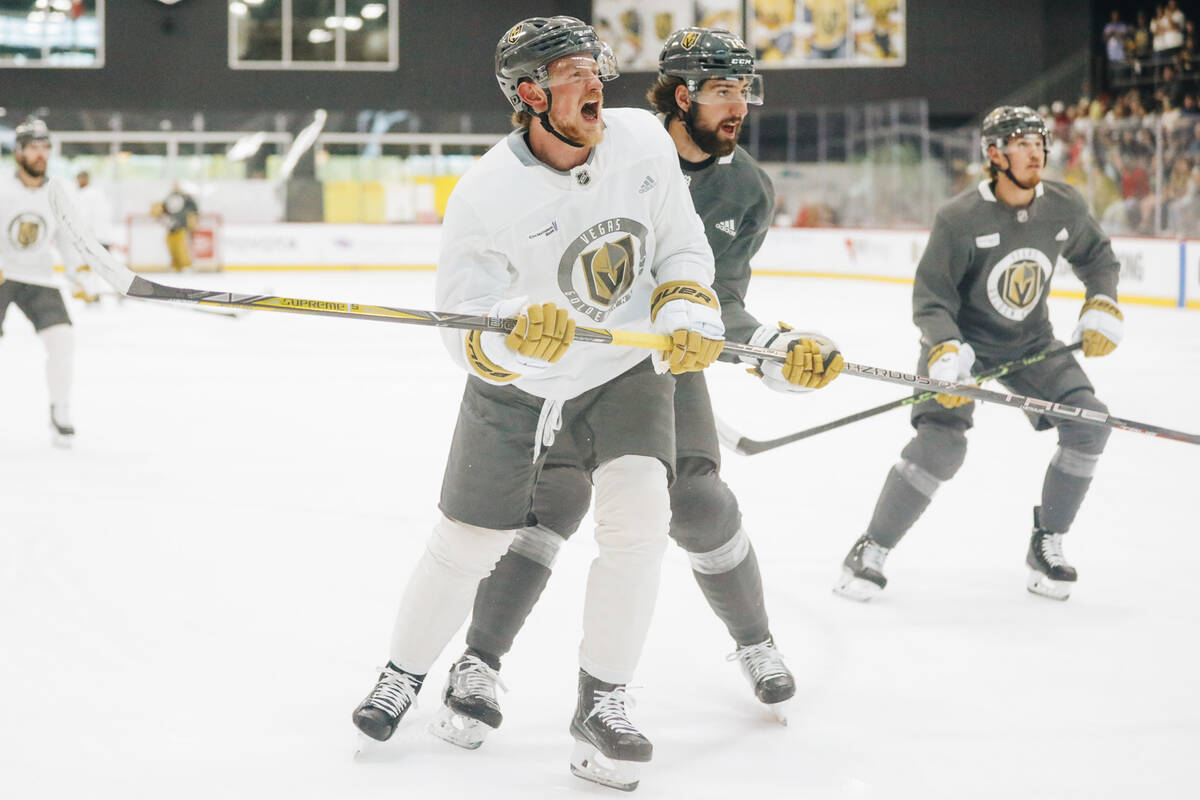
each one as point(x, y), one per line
point(689, 40)
point(1018, 282)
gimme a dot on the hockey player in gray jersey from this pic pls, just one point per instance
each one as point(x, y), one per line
point(579, 215)
point(980, 299)
point(706, 83)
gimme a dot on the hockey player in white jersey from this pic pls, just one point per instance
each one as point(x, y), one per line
point(27, 268)
point(705, 87)
point(580, 215)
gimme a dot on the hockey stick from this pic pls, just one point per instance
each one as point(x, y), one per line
point(747, 447)
point(129, 283)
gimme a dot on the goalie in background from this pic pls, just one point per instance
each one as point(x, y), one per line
point(178, 211)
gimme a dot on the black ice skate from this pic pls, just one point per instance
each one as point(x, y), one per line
point(608, 749)
point(378, 715)
point(1049, 573)
point(862, 571)
point(63, 430)
point(470, 709)
point(772, 681)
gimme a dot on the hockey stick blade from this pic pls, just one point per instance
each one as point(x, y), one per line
point(743, 445)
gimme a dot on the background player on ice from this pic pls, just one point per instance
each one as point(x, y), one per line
point(979, 300)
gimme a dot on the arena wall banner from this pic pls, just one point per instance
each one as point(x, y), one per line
point(788, 34)
point(636, 29)
point(1149, 271)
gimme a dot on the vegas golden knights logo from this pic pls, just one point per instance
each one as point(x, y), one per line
point(26, 230)
point(27, 233)
point(608, 270)
point(1021, 284)
point(1017, 283)
point(515, 32)
point(689, 40)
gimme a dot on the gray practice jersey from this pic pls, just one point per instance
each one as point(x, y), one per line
point(985, 273)
point(735, 199)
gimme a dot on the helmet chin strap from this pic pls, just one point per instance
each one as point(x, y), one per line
point(689, 120)
point(545, 118)
point(1008, 171)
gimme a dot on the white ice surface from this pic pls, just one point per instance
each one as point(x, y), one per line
point(195, 597)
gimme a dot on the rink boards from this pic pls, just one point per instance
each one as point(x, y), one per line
point(1153, 271)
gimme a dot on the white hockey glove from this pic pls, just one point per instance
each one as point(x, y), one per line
point(951, 361)
point(543, 333)
point(689, 313)
point(813, 360)
point(84, 285)
point(1101, 326)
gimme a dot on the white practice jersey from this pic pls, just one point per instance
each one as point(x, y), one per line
point(28, 232)
point(596, 240)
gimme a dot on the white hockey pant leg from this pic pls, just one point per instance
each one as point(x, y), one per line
point(441, 590)
point(633, 512)
point(59, 341)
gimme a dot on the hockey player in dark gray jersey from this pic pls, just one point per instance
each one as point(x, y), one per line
point(706, 82)
point(980, 299)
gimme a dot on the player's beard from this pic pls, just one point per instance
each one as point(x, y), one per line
point(710, 140)
point(34, 167)
point(588, 135)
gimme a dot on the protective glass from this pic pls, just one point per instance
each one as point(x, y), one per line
point(746, 89)
point(581, 68)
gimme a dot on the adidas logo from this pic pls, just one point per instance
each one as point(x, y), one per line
point(647, 185)
point(727, 226)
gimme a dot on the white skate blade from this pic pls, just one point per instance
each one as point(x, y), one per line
point(853, 588)
point(1043, 585)
point(458, 729)
point(368, 749)
point(590, 764)
point(780, 710)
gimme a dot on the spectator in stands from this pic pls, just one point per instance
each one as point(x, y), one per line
point(1142, 40)
point(1173, 23)
point(1116, 38)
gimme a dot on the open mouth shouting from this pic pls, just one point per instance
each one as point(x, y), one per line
point(590, 111)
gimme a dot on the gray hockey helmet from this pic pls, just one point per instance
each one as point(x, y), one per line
point(526, 50)
point(699, 54)
point(1005, 122)
point(31, 130)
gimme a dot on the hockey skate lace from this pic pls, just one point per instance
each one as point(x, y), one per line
point(395, 692)
point(610, 707)
point(760, 661)
point(873, 555)
point(474, 678)
point(1051, 547)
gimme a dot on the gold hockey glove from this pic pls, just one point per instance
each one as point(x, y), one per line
point(689, 313)
point(951, 361)
point(1101, 326)
point(543, 331)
